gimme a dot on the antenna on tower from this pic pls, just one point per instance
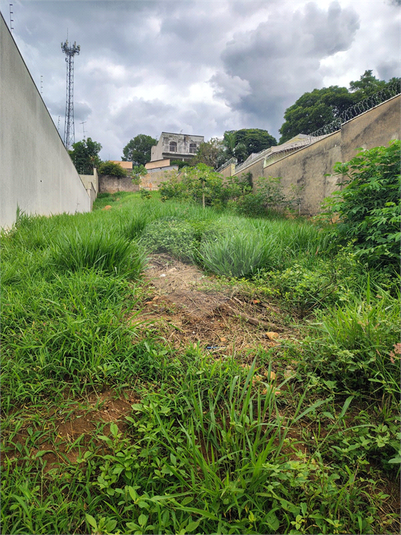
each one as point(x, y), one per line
point(11, 18)
point(83, 128)
point(69, 126)
point(58, 124)
point(41, 84)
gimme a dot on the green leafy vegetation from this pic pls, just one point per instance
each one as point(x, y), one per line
point(201, 184)
point(319, 107)
point(368, 206)
point(238, 144)
point(112, 169)
point(108, 427)
point(138, 149)
point(85, 155)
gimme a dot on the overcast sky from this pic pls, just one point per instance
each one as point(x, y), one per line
point(198, 66)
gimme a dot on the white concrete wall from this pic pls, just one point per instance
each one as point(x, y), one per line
point(91, 181)
point(36, 171)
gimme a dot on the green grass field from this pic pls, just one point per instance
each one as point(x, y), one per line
point(110, 427)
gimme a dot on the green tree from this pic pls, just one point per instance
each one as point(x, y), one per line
point(138, 149)
point(254, 140)
point(315, 109)
point(229, 143)
point(210, 153)
point(200, 184)
point(322, 106)
point(85, 155)
point(242, 143)
point(366, 86)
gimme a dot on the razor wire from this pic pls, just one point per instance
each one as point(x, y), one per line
point(392, 90)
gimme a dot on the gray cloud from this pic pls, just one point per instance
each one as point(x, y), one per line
point(195, 65)
point(280, 60)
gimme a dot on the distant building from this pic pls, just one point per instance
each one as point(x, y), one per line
point(176, 147)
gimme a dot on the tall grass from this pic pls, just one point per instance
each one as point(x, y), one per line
point(237, 255)
point(69, 331)
point(97, 249)
point(360, 337)
point(208, 447)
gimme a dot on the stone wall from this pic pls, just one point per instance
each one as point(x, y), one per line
point(111, 184)
point(308, 167)
point(155, 177)
point(373, 128)
point(306, 171)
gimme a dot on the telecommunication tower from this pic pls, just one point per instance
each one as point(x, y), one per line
point(69, 127)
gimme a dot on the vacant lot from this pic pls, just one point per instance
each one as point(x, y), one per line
point(173, 369)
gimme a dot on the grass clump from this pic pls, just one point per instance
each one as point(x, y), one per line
point(62, 332)
point(98, 249)
point(237, 255)
point(356, 343)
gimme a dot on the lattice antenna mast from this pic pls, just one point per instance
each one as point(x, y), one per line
point(69, 126)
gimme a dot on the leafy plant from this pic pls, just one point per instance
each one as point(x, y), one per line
point(368, 207)
point(356, 341)
point(138, 171)
point(268, 197)
point(85, 155)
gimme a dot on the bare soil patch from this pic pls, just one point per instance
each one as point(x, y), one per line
point(188, 307)
point(75, 427)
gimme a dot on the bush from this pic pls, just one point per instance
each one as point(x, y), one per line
point(368, 207)
point(138, 171)
point(199, 184)
point(180, 163)
point(112, 169)
point(269, 197)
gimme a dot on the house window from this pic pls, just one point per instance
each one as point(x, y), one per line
point(193, 148)
point(173, 146)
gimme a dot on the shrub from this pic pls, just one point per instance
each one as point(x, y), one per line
point(180, 163)
point(269, 197)
point(368, 207)
point(112, 169)
point(138, 171)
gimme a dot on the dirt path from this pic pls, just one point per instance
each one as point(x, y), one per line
point(187, 306)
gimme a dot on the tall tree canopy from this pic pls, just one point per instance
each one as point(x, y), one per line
point(322, 106)
point(242, 143)
point(210, 153)
point(313, 110)
point(138, 149)
point(85, 155)
point(366, 85)
point(254, 139)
